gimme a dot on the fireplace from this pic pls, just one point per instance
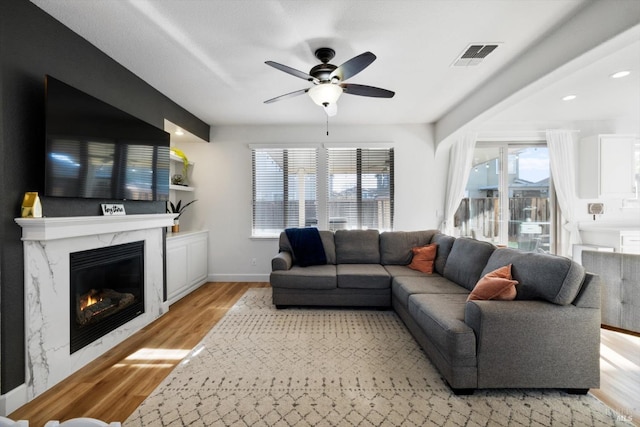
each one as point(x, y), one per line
point(48, 243)
point(106, 290)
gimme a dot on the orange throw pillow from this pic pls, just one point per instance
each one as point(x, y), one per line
point(497, 285)
point(423, 258)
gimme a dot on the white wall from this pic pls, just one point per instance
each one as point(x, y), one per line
point(222, 175)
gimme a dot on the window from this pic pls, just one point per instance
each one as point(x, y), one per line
point(508, 197)
point(329, 188)
point(284, 189)
point(360, 188)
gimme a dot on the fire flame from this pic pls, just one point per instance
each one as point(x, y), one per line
point(88, 300)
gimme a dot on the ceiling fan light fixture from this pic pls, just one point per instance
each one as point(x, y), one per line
point(325, 94)
point(331, 109)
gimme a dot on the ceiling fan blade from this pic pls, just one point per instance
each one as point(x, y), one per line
point(353, 66)
point(362, 90)
point(289, 70)
point(286, 95)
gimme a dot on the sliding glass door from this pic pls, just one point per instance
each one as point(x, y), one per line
point(508, 197)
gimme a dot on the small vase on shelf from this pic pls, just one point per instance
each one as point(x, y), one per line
point(176, 226)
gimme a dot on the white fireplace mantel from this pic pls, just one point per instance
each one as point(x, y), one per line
point(43, 229)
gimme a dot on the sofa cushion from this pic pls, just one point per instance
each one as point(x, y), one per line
point(445, 243)
point(467, 260)
point(312, 277)
point(423, 258)
point(540, 276)
point(395, 246)
point(404, 286)
point(327, 242)
point(402, 270)
point(363, 276)
point(357, 246)
point(495, 285)
point(441, 318)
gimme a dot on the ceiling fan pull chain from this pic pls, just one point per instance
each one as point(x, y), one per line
point(327, 125)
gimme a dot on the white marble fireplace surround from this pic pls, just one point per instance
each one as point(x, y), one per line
point(47, 245)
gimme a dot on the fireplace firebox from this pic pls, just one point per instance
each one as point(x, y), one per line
point(106, 290)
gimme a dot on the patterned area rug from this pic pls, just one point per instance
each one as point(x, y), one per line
point(318, 367)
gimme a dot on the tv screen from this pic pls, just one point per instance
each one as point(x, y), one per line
point(96, 151)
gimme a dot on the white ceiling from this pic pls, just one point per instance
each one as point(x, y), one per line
point(598, 96)
point(208, 56)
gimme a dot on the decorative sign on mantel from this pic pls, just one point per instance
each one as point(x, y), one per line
point(111, 209)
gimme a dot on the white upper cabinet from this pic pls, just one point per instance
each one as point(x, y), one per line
point(606, 166)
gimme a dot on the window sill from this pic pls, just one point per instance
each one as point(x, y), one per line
point(264, 237)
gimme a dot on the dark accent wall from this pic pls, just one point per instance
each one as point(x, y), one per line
point(33, 44)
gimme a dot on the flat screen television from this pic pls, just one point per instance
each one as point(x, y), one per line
point(97, 151)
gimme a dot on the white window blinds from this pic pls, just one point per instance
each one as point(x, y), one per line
point(360, 188)
point(284, 189)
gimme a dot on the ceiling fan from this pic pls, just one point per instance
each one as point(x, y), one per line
point(328, 80)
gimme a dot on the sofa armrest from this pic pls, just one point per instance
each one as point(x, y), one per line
point(282, 261)
point(535, 344)
point(589, 295)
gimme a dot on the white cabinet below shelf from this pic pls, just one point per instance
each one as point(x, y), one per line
point(187, 261)
point(630, 242)
point(623, 240)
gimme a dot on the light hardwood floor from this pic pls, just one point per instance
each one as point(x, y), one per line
point(111, 387)
point(620, 374)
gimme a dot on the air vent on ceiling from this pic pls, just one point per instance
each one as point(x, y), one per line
point(474, 54)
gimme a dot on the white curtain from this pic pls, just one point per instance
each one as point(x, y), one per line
point(562, 152)
point(460, 159)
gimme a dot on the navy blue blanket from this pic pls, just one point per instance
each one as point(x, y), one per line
point(307, 246)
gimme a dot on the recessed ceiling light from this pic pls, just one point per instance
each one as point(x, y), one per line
point(179, 132)
point(620, 74)
point(569, 98)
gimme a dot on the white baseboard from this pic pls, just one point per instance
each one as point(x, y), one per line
point(12, 400)
point(238, 277)
point(174, 298)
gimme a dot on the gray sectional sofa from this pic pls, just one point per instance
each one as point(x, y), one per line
point(548, 337)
